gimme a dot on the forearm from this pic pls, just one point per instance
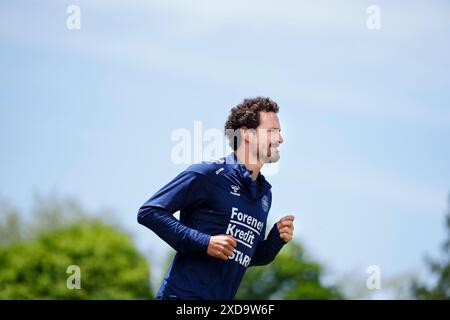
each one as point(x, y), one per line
point(172, 231)
point(268, 249)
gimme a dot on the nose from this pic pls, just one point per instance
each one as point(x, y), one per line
point(281, 139)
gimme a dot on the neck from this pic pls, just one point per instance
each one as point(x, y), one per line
point(250, 161)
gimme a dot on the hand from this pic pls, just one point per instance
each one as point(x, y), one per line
point(221, 246)
point(286, 228)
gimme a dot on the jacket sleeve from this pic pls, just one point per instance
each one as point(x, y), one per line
point(267, 249)
point(188, 189)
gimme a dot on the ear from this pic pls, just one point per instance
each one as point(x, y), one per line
point(244, 134)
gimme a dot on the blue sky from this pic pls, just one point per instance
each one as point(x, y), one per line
point(365, 113)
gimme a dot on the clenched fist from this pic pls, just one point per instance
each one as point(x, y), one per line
point(286, 228)
point(221, 246)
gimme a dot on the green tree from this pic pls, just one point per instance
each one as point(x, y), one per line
point(10, 224)
point(36, 266)
point(440, 269)
point(289, 276)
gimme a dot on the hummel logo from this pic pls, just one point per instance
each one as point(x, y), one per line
point(235, 191)
point(220, 170)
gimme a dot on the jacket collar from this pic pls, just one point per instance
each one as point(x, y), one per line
point(245, 174)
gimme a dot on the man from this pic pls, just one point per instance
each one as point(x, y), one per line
point(223, 210)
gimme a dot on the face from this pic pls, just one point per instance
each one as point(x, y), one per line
point(268, 138)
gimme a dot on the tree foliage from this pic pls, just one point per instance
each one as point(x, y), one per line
point(440, 268)
point(35, 266)
point(290, 276)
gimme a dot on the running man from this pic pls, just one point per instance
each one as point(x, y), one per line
point(223, 210)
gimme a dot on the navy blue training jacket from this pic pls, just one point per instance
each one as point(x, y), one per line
point(213, 198)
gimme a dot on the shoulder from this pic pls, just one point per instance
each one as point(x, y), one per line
point(207, 168)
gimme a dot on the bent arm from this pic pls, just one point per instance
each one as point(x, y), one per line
point(189, 189)
point(172, 231)
point(267, 250)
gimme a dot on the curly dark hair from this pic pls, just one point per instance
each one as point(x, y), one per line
point(247, 114)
